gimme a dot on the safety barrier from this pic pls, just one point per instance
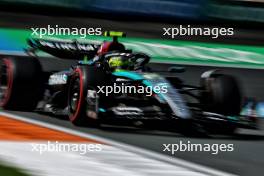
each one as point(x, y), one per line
point(77, 4)
point(162, 8)
point(149, 8)
point(236, 13)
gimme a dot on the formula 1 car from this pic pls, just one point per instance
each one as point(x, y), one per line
point(87, 91)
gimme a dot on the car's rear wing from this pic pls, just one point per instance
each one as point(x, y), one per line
point(68, 49)
point(62, 48)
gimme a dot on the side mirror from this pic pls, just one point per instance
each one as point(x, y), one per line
point(176, 69)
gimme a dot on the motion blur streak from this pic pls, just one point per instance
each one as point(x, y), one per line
point(15, 130)
point(247, 157)
point(111, 160)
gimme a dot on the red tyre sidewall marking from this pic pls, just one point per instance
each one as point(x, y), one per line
point(74, 116)
point(7, 94)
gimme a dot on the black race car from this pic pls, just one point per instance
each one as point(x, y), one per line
point(85, 91)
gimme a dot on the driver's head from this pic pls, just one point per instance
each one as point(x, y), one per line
point(119, 62)
point(110, 46)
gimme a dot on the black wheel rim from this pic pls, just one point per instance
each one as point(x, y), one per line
point(74, 95)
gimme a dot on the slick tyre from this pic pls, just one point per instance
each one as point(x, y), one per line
point(84, 80)
point(20, 83)
point(221, 95)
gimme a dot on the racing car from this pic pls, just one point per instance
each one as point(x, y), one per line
point(159, 99)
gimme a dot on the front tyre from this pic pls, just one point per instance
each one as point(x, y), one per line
point(221, 95)
point(83, 100)
point(76, 97)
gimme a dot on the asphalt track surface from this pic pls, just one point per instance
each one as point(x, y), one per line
point(247, 157)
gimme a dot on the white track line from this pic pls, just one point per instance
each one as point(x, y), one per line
point(125, 147)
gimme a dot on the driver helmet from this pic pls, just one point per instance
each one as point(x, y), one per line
point(119, 62)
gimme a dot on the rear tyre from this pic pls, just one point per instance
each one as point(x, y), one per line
point(20, 83)
point(83, 109)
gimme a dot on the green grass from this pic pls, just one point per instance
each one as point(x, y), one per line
point(11, 171)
